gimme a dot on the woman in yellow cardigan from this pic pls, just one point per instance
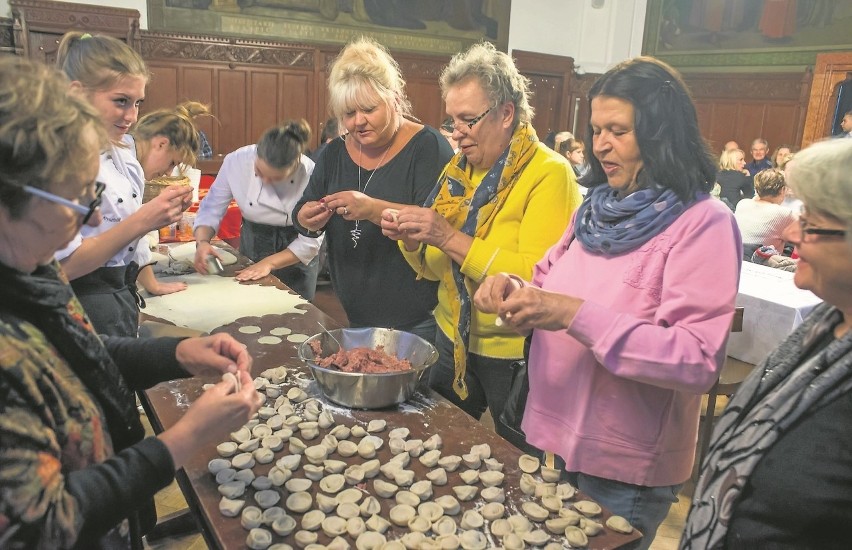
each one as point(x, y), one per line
point(501, 202)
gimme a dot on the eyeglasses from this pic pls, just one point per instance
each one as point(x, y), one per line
point(805, 229)
point(86, 210)
point(465, 125)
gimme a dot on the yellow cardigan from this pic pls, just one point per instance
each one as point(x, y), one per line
point(531, 220)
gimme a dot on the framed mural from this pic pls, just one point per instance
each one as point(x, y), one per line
point(439, 26)
point(770, 34)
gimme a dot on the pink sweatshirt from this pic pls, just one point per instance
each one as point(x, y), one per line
point(618, 394)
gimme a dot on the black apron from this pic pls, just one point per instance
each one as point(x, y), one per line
point(257, 241)
point(111, 300)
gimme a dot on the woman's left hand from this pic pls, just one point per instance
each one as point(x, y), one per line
point(218, 353)
point(254, 272)
point(351, 205)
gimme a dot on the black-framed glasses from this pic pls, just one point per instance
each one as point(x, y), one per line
point(86, 210)
point(805, 229)
point(465, 125)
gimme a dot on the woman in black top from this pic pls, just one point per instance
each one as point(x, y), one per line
point(734, 180)
point(384, 161)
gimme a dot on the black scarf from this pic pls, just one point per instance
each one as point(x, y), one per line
point(45, 299)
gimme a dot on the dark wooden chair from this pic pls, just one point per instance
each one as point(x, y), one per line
point(731, 376)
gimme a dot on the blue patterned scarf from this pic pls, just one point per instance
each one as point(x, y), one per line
point(611, 226)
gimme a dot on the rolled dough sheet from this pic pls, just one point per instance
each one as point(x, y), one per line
point(210, 302)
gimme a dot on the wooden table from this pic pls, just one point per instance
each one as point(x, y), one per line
point(426, 414)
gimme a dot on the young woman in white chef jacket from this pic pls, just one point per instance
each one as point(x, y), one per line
point(102, 262)
point(266, 180)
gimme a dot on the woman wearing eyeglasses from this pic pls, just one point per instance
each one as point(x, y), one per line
point(103, 262)
point(502, 200)
point(76, 470)
point(266, 180)
point(779, 468)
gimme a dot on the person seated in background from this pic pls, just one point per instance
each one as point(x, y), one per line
point(266, 180)
point(560, 138)
point(767, 255)
point(734, 181)
point(762, 219)
point(575, 151)
point(77, 470)
point(330, 130)
point(759, 150)
point(731, 145)
point(779, 155)
point(447, 131)
point(846, 126)
point(205, 152)
point(779, 467)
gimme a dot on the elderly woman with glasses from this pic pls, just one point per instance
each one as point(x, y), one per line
point(502, 200)
point(629, 321)
point(779, 468)
point(76, 470)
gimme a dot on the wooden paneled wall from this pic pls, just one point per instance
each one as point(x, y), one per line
point(252, 84)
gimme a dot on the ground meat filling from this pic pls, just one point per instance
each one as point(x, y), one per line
point(361, 360)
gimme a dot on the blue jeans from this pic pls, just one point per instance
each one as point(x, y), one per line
point(488, 380)
point(644, 507)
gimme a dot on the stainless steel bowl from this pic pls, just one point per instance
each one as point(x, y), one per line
point(369, 391)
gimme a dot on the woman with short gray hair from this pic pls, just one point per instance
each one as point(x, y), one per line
point(792, 413)
point(500, 203)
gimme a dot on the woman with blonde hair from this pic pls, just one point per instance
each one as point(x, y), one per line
point(103, 262)
point(734, 181)
point(386, 160)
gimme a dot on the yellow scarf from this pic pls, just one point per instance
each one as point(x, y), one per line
point(471, 209)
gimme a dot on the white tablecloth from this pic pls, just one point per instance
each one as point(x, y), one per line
point(774, 306)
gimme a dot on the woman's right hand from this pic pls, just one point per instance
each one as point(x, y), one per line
point(216, 413)
point(203, 249)
point(314, 215)
point(166, 208)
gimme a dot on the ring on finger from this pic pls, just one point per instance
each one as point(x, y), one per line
point(345, 211)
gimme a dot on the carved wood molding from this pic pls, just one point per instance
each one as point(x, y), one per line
point(158, 45)
point(747, 86)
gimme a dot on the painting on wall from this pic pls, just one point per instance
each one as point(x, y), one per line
point(769, 34)
point(439, 26)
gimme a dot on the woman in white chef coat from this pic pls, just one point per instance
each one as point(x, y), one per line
point(103, 262)
point(266, 180)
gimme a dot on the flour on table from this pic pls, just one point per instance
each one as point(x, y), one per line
point(297, 337)
point(269, 340)
point(280, 331)
point(211, 301)
point(249, 329)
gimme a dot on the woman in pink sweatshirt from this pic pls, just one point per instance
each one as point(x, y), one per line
point(633, 305)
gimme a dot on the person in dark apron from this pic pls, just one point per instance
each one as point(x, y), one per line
point(266, 180)
point(102, 262)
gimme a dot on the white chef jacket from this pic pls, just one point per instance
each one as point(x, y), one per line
point(270, 204)
point(125, 184)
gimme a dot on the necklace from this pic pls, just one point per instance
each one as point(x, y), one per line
point(356, 231)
